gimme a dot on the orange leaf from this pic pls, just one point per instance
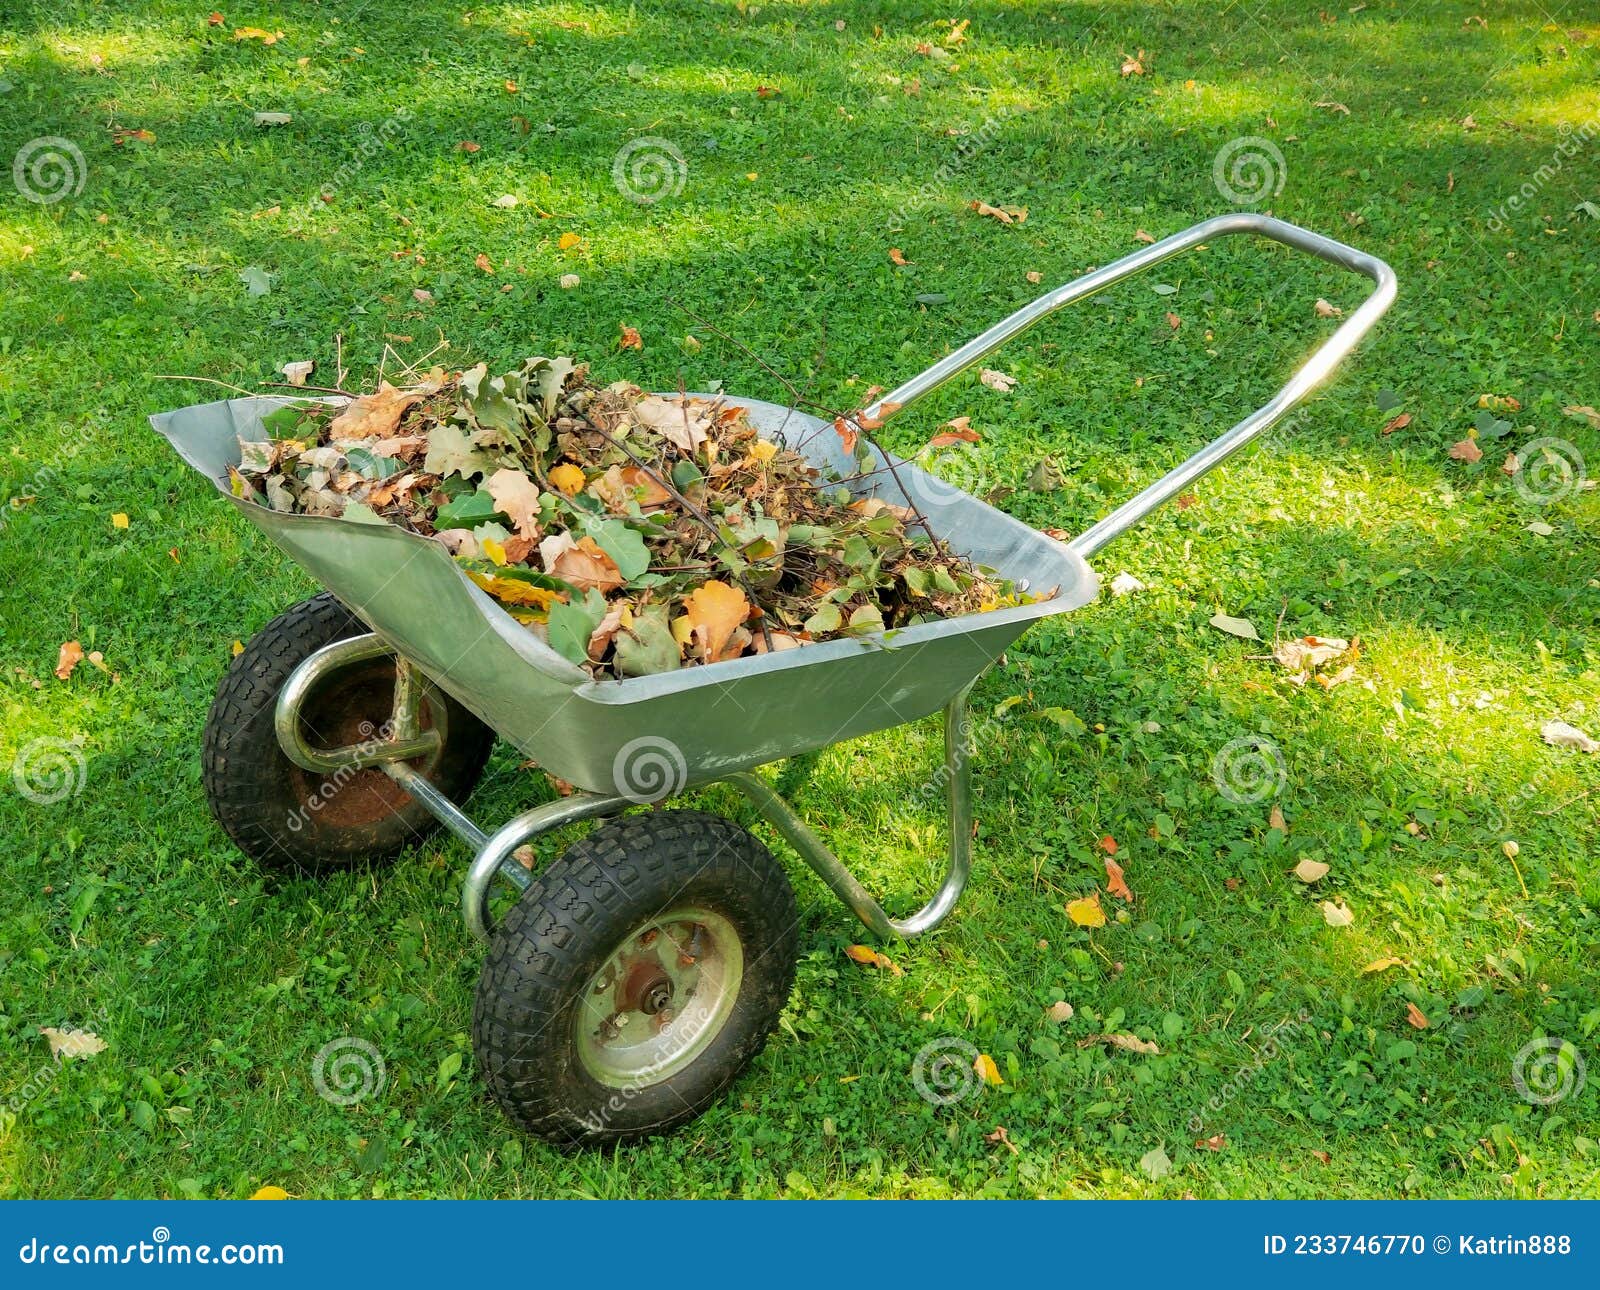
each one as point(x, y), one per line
point(1466, 450)
point(1108, 844)
point(1398, 423)
point(483, 262)
point(1173, 321)
point(1416, 1016)
point(955, 431)
point(986, 1070)
point(869, 957)
point(585, 565)
point(715, 611)
point(1139, 235)
point(568, 240)
point(70, 656)
point(568, 478)
point(467, 145)
point(1115, 883)
point(846, 433)
point(630, 337)
point(896, 257)
point(1214, 1143)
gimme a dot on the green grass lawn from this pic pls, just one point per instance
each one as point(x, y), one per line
point(816, 137)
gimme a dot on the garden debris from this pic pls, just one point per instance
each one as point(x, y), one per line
point(1310, 871)
point(70, 655)
point(633, 533)
point(1240, 627)
point(1128, 1043)
point(67, 1042)
point(1560, 735)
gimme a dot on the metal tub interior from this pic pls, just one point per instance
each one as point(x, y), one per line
point(700, 723)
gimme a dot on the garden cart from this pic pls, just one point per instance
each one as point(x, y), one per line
point(634, 977)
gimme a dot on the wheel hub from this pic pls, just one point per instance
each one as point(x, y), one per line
point(660, 999)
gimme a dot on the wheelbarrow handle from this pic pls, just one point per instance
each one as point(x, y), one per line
point(1316, 369)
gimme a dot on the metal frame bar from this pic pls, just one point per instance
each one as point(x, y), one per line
point(494, 855)
point(1316, 369)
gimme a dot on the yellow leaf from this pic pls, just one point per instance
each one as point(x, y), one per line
point(1381, 965)
point(493, 550)
point(987, 1071)
point(1309, 870)
point(269, 1192)
point(257, 33)
point(869, 957)
point(682, 630)
point(1335, 915)
point(119, 521)
point(1086, 911)
point(567, 241)
point(513, 591)
point(568, 478)
point(715, 611)
point(238, 648)
point(67, 1042)
point(763, 450)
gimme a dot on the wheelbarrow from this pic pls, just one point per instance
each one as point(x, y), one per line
point(636, 976)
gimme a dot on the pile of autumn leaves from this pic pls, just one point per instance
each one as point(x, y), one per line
point(634, 534)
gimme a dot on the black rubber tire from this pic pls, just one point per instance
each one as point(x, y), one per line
point(264, 801)
point(565, 927)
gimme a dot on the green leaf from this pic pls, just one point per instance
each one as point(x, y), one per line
point(468, 511)
point(1069, 721)
point(449, 1068)
point(256, 279)
point(284, 423)
point(868, 618)
point(826, 619)
point(451, 452)
point(685, 475)
point(361, 513)
point(648, 647)
point(571, 624)
point(622, 543)
point(369, 465)
point(916, 580)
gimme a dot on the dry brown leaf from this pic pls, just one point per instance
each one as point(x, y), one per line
point(1326, 310)
point(1115, 882)
point(996, 380)
point(67, 1042)
point(1309, 871)
point(1337, 915)
point(1034, 276)
point(518, 496)
point(483, 262)
point(1583, 410)
point(1397, 423)
point(1005, 214)
point(1214, 1143)
point(69, 657)
point(1558, 734)
point(1059, 1012)
point(1416, 1016)
point(897, 257)
point(1133, 64)
point(584, 564)
point(715, 611)
point(1139, 235)
point(628, 337)
point(1466, 450)
point(376, 415)
point(1128, 1043)
point(1332, 106)
point(869, 957)
point(1275, 819)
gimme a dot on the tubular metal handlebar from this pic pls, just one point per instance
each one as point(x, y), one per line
point(1316, 368)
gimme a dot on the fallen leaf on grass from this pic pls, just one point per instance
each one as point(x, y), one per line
point(272, 118)
point(1275, 820)
point(1125, 584)
point(996, 380)
point(999, 1138)
point(869, 957)
point(1133, 64)
point(296, 373)
point(467, 145)
point(1559, 735)
point(1309, 871)
point(269, 1192)
point(1128, 1043)
point(1586, 413)
point(1086, 911)
point(1214, 1143)
point(1381, 965)
point(1059, 1012)
point(629, 337)
point(258, 33)
point(1323, 1157)
point(1466, 450)
point(1115, 882)
point(956, 430)
point(1005, 214)
point(505, 202)
point(1325, 310)
point(1139, 235)
point(70, 655)
point(1337, 915)
point(119, 520)
point(1308, 653)
point(983, 1065)
point(483, 262)
point(1108, 844)
point(1332, 106)
point(67, 1042)
point(897, 257)
point(1034, 276)
point(1416, 1016)
point(1397, 423)
point(568, 281)
point(1240, 627)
